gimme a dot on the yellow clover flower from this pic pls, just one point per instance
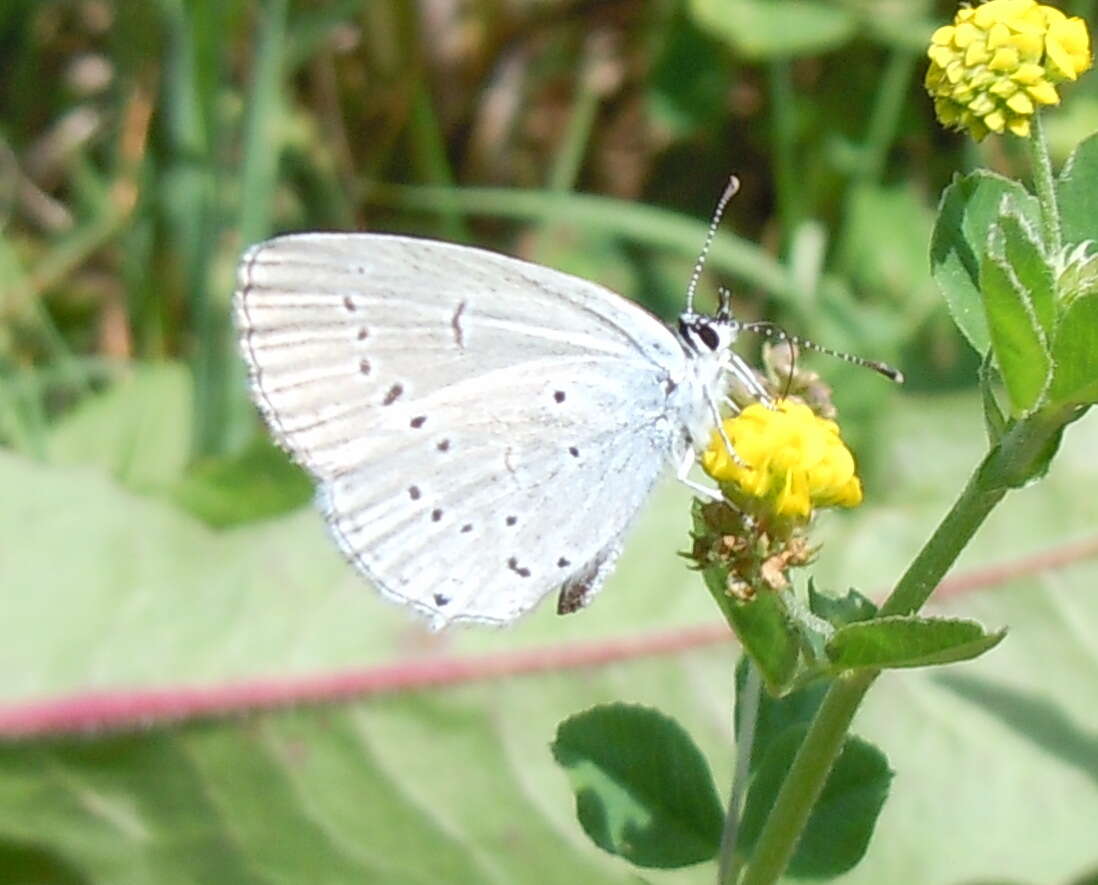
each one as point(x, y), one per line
point(999, 62)
point(788, 461)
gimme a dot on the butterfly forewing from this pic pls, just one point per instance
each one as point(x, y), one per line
point(451, 402)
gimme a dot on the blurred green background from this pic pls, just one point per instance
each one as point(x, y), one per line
point(151, 537)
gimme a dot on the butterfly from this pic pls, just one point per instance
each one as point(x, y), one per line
point(482, 430)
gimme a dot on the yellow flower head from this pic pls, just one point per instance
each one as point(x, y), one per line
point(788, 461)
point(999, 62)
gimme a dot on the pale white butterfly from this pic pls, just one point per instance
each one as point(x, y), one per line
point(483, 430)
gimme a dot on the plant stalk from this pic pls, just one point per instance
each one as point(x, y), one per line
point(807, 776)
point(1045, 184)
point(1010, 464)
point(728, 866)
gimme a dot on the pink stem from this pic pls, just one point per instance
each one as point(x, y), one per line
point(97, 711)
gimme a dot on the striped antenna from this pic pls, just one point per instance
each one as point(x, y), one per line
point(729, 192)
point(777, 333)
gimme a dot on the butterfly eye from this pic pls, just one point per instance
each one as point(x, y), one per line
point(708, 335)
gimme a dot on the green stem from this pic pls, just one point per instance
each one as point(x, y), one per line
point(1008, 465)
point(1044, 183)
point(806, 778)
point(728, 867)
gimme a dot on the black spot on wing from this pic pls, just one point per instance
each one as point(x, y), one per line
point(455, 324)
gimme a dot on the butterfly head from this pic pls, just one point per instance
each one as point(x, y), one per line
point(703, 334)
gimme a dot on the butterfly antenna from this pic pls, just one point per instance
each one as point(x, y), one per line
point(774, 332)
point(729, 192)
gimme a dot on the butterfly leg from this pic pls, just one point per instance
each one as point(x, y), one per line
point(682, 475)
point(745, 376)
point(715, 411)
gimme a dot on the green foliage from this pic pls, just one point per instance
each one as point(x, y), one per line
point(761, 29)
point(137, 430)
point(775, 715)
point(840, 610)
point(258, 483)
point(689, 77)
point(145, 595)
point(908, 641)
point(1029, 309)
point(135, 555)
point(1076, 352)
point(1075, 189)
point(763, 624)
point(1014, 311)
point(968, 209)
point(843, 819)
point(643, 789)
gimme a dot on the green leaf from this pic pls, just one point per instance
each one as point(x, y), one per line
point(840, 610)
point(1080, 273)
point(842, 821)
point(968, 208)
point(139, 430)
point(1021, 350)
point(886, 230)
point(688, 80)
point(767, 634)
point(643, 789)
point(1022, 250)
point(762, 29)
point(129, 592)
point(764, 627)
point(774, 714)
point(258, 483)
point(26, 863)
point(995, 421)
point(1075, 190)
point(909, 641)
point(1075, 351)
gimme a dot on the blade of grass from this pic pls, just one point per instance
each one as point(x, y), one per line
point(787, 181)
point(573, 146)
point(193, 37)
point(261, 129)
point(884, 122)
point(429, 150)
point(649, 225)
